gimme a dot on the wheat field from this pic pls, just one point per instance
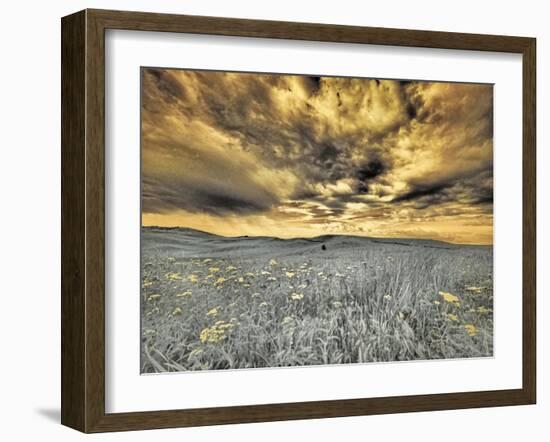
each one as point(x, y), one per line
point(211, 303)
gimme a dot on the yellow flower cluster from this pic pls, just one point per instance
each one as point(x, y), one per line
point(452, 317)
point(220, 280)
point(156, 310)
point(173, 276)
point(474, 289)
point(471, 329)
point(452, 299)
point(212, 312)
point(217, 332)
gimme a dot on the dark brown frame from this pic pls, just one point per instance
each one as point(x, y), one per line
point(83, 216)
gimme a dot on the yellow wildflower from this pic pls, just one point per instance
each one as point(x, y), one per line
point(474, 289)
point(192, 278)
point(174, 276)
point(215, 333)
point(450, 298)
point(212, 312)
point(155, 310)
point(273, 262)
point(214, 269)
point(452, 317)
point(471, 329)
point(177, 311)
point(184, 294)
point(289, 274)
point(153, 297)
point(211, 335)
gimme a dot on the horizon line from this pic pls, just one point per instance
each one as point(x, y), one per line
point(318, 236)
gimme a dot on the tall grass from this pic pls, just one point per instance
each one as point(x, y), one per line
point(390, 303)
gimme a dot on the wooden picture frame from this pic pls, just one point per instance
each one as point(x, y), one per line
point(83, 220)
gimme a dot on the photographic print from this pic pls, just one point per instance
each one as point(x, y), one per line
point(295, 220)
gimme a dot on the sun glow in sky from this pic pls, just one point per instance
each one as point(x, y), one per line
point(300, 156)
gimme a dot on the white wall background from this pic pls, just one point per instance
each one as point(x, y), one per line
point(30, 217)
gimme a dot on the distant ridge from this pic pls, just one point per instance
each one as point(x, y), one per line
point(185, 234)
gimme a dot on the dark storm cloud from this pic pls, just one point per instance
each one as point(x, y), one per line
point(368, 172)
point(196, 196)
point(433, 192)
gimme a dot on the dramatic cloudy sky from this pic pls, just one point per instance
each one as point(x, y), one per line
point(298, 156)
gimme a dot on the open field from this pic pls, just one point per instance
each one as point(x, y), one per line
point(210, 302)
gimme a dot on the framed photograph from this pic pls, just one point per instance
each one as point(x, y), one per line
point(267, 221)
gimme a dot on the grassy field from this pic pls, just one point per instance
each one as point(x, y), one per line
point(225, 303)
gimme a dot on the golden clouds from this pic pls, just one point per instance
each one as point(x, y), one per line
point(257, 154)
